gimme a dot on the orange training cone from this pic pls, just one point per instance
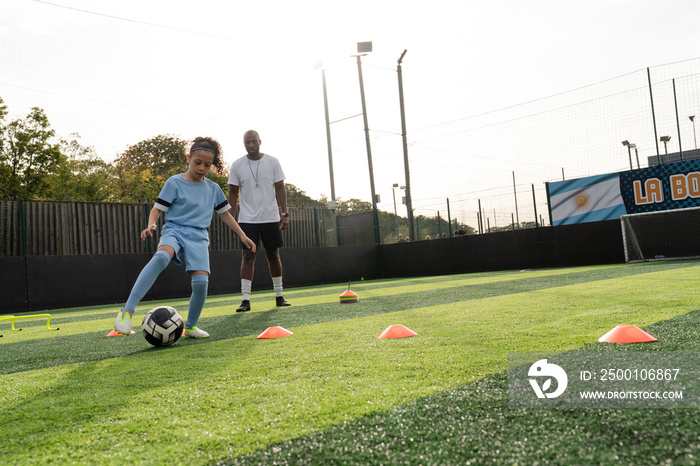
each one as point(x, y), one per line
point(275, 332)
point(626, 334)
point(397, 331)
point(348, 297)
point(114, 333)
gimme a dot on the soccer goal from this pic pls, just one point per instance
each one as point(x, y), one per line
point(663, 235)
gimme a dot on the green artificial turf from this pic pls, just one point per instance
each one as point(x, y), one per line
point(472, 424)
point(333, 392)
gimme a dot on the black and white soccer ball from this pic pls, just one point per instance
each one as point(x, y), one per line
point(162, 326)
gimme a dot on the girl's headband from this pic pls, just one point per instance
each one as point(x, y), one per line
point(201, 148)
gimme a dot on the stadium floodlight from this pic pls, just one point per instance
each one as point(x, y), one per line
point(364, 47)
point(665, 140)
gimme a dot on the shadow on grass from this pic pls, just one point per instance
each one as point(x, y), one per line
point(473, 424)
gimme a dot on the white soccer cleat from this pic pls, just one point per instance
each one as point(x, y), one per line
point(195, 332)
point(123, 323)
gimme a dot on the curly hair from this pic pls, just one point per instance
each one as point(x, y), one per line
point(212, 145)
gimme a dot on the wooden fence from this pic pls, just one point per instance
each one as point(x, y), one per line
point(47, 228)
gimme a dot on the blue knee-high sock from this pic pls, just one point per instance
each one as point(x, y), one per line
point(200, 284)
point(147, 277)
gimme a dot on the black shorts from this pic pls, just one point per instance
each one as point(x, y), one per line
point(270, 234)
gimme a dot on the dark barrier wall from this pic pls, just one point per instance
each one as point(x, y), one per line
point(66, 281)
point(13, 297)
point(570, 245)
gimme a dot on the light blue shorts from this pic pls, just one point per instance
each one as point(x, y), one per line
point(192, 243)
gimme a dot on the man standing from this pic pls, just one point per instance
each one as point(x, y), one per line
point(259, 180)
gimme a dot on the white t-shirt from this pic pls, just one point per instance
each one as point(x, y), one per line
point(256, 181)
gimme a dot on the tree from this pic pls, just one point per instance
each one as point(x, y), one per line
point(143, 168)
point(298, 198)
point(353, 206)
point(221, 180)
point(3, 115)
point(28, 157)
point(5, 170)
point(82, 175)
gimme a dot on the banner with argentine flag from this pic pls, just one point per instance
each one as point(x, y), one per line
point(607, 197)
point(590, 199)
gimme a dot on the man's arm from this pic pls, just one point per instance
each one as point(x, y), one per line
point(233, 196)
point(282, 201)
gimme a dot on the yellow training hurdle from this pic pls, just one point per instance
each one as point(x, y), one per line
point(13, 319)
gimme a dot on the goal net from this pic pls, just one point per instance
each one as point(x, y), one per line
point(663, 235)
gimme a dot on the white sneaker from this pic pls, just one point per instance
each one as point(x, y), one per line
point(123, 323)
point(195, 332)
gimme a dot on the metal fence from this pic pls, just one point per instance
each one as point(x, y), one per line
point(47, 228)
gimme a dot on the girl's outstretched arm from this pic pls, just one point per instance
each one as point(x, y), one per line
point(152, 226)
point(233, 225)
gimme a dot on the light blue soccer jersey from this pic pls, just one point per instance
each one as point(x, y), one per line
point(191, 204)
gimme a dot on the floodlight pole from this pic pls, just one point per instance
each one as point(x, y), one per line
point(409, 202)
point(375, 216)
point(628, 145)
point(333, 206)
point(636, 153)
point(653, 116)
point(629, 154)
point(449, 218)
point(515, 196)
point(678, 122)
point(396, 216)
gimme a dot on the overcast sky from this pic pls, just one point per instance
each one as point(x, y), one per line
point(120, 72)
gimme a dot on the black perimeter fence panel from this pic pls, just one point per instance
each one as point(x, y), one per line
point(33, 283)
point(48, 228)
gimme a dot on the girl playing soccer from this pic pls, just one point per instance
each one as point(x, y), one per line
point(188, 201)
